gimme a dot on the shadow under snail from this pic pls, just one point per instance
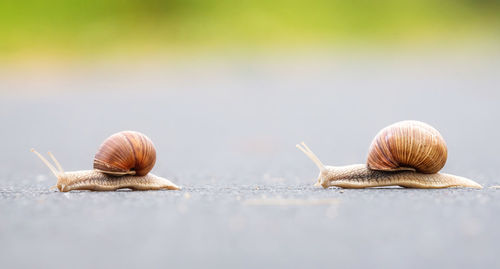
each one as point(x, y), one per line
point(406, 154)
point(123, 161)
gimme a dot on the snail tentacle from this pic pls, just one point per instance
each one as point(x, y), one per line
point(58, 165)
point(47, 163)
point(307, 151)
point(50, 166)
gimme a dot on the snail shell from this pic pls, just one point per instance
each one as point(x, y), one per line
point(126, 153)
point(408, 145)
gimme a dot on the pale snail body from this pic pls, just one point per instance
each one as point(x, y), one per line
point(426, 146)
point(94, 180)
point(359, 176)
point(124, 162)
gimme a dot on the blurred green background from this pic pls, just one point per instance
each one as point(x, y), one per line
point(83, 28)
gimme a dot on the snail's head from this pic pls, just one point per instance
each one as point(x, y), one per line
point(62, 181)
point(324, 177)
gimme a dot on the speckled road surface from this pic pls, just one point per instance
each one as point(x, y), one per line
point(226, 131)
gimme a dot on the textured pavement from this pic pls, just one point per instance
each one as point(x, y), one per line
point(225, 129)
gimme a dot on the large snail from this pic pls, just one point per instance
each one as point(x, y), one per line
point(122, 161)
point(407, 154)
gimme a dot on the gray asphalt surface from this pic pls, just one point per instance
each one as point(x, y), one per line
point(225, 129)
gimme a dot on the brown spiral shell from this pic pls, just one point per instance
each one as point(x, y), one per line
point(126, 153)
point(408, 145)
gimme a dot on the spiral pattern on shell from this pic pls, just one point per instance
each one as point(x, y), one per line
point(408, 145)
point(126, 153)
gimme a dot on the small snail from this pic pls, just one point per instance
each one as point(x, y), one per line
point(407, 154)
point(122, 161)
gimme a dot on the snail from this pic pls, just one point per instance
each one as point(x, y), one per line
point(122, 161)
point(407, 154)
